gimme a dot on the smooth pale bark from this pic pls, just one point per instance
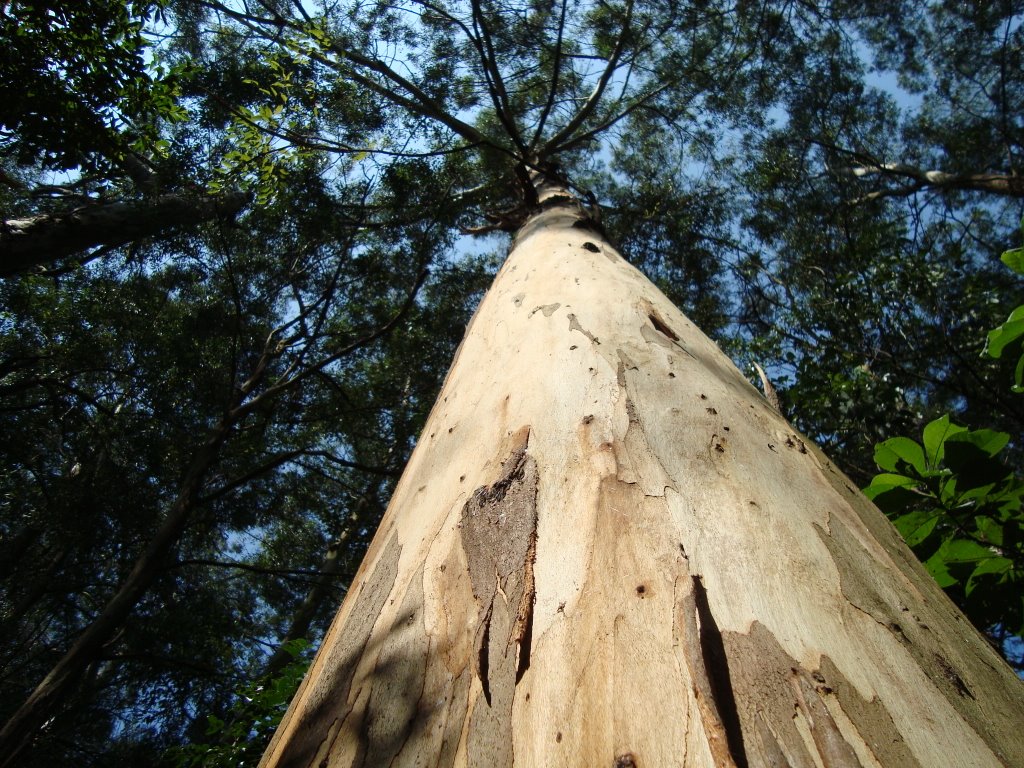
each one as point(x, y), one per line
point(41, 240)
point(609, 550)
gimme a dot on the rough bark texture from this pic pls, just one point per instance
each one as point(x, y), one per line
point(609, 550)
point(40, 241)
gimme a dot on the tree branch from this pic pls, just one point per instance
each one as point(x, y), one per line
point(556, 68)
point(42, 240)
point(492, 74)
point(555, 143)
point(583, 138)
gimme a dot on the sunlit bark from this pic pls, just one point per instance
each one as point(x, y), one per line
point(609, 550)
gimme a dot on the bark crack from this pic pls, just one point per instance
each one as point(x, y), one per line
point(704, 652)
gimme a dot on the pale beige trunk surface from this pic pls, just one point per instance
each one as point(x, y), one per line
point(609, 550)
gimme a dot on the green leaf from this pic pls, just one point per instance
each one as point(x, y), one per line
point(963, 551)
point(886, 482)
point(935, 435)
point(988, 440)
point(995, 564)
point(936, 566)
point(896, 452)
point(971, 458)
point(917, 526)
point(990, 529)
point(892, 493)
point(1014, 259)
point(991, 566)
point(1007, 333)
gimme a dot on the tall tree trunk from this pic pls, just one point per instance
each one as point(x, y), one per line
point(609, 550)
point(41, 240)
point(48, 698)
point(329, 573)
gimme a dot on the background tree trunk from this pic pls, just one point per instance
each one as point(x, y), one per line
point(609, 550)
point(41, 240)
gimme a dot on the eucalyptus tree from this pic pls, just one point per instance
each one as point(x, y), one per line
point(607, 547)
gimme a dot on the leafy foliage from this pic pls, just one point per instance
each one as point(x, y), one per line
point(958, 504)
point(77, 91)
point(1010, 333)
point(959, 507)
point(239, 739)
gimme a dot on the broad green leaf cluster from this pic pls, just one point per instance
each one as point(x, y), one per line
point(1009, 334)
point(958, 505)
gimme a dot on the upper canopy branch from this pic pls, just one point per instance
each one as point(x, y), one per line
point(492, 74)
point(488, 62)
point(397, 89)
point(1008, 184)
point(614, 118)
point(556, 69)
point(555, 142)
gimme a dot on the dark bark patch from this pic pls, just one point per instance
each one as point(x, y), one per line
point(593, 248)
point(625, 364)
point(957, 666)
point(499, 537)
point(760, 672)
point(871, 718)
point(661, 326)
point(659, 332)
point(951, 674)
point(574, 325)
point(625, 761)
point(326, 702)
point(547, 309)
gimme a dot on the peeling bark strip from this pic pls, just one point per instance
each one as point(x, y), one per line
point(326, 702)
point(499, 536)
point(700, 643)
point(777, 695)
